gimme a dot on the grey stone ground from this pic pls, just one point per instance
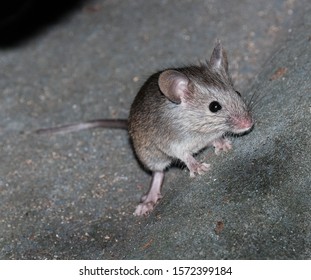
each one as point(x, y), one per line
point(72, 196)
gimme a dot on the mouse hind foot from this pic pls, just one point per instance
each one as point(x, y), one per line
point(149, 200)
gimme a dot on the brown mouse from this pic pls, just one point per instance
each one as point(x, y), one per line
point(176, 113)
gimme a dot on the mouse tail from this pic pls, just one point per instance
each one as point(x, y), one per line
point(117, 123)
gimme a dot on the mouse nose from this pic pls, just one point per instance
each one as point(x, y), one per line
point(242, 124)
point(246, 123)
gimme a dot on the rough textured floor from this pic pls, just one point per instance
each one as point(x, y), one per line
point(72, 196)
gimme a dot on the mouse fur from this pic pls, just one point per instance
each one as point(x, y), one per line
point(180, 111)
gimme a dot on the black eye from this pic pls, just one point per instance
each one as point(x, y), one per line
point(239, 94)
point(214, 106)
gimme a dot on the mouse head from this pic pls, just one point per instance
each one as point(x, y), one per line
point(205, 93)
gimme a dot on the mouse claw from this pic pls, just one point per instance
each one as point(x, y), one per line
point(222, 144)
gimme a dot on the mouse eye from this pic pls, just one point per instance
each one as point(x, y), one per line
point(214, 106)
point(239, 94)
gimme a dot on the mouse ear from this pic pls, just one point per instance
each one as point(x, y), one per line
point(174, 85)
point(219, 60)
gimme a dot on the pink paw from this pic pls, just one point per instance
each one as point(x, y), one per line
point(146, 205)
point(199, 168)
point(196, 167)
point(222, 144)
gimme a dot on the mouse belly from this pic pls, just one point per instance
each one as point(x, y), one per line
point(190, 145)
point(154, 156)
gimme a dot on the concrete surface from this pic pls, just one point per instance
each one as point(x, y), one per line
point(72, 196)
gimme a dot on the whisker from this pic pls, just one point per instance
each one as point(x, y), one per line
point(257, 101)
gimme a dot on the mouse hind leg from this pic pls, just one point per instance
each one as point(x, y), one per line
point(157, 161)
point(149, 200)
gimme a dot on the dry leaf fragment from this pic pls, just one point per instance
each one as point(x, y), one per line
point(219, 227)
point(280, 72)
point(148, 244)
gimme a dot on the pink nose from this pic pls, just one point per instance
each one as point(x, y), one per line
point(242, 123)
point(245, 123)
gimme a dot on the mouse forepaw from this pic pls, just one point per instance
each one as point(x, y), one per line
point(196, 167)
point(199, 168)
point(222, 144)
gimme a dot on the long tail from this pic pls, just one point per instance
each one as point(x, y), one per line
point(118, 123)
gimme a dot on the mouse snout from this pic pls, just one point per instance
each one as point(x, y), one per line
point(241, 124)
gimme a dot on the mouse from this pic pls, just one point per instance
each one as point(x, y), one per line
point(177, 113)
